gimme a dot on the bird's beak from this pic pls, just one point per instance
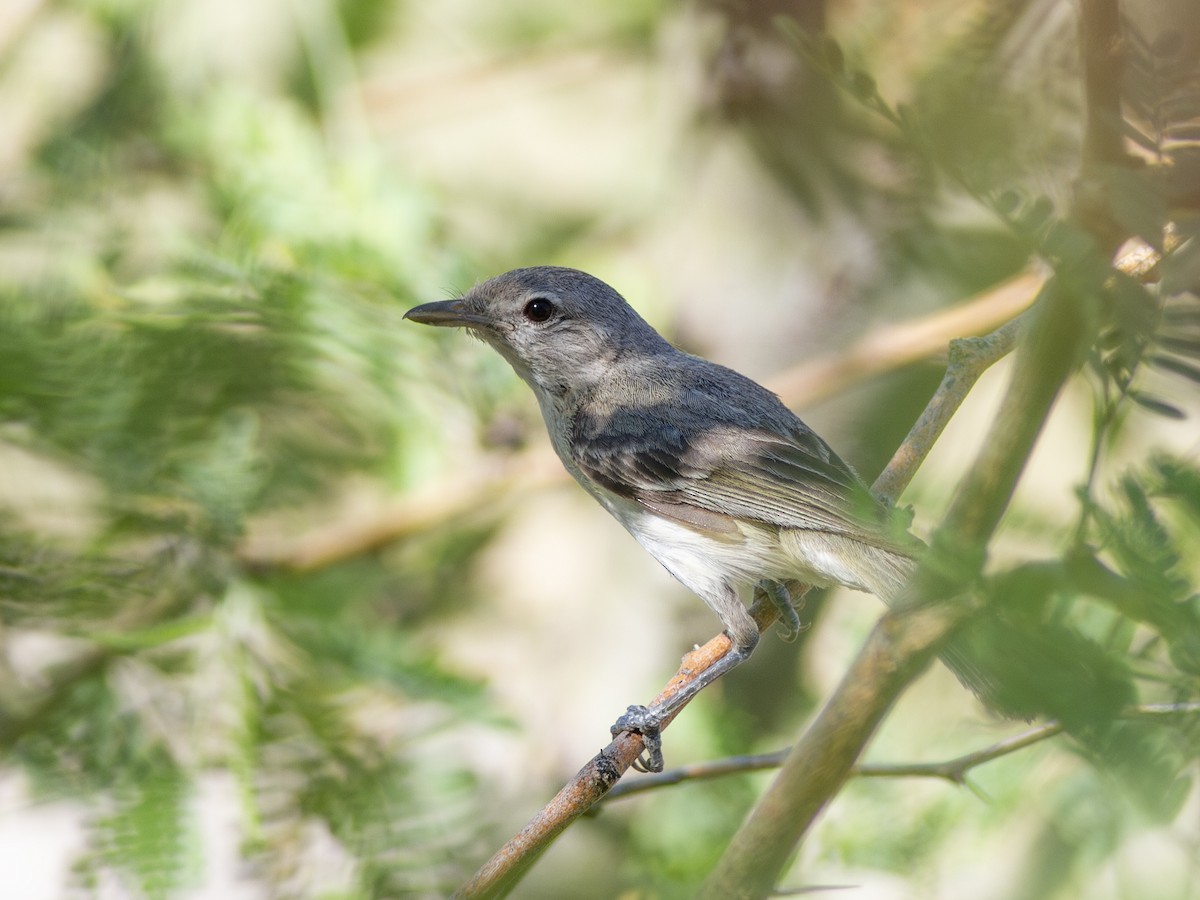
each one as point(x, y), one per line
point(449, 313)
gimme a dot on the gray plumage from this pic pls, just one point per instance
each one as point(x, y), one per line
point(708, 470)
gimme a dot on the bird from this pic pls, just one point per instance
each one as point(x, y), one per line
point(707, 469)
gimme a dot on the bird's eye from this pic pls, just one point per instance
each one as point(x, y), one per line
point(539, 309)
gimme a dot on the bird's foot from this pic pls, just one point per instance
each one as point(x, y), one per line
point(644, 721)
point(789, 626)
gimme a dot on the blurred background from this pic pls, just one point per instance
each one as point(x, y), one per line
point(294, 602)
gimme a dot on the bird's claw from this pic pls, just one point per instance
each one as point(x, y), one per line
point(644, 721)
point(789, 626)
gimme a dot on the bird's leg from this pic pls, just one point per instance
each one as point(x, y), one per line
point(647, 720)
point(779, 595)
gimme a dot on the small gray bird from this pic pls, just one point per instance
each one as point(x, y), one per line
point(708, 470)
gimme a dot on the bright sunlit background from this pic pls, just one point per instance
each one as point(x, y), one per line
point(274, 621)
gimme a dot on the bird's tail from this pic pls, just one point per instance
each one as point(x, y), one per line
point(1018, 668)
point(990, 655)
point(885, 573)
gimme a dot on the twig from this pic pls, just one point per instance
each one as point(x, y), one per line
point(954, 770)
point(900, 344)
point(908, 635)
point(597, 778)
point(969, 358)
point(882, 350)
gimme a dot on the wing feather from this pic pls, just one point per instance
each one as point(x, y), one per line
point(792, 480)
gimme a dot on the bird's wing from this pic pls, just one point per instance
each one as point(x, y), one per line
point(712, 475)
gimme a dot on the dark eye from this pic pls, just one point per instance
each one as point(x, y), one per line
point(539, 309)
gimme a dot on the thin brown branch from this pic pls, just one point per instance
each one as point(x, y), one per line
point(954, 770)
point(894, 346)
point(597, 778)
point(883, 350)
point(933, 604)
point(969, 359)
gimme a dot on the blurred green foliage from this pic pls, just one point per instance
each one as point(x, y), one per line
point(202, 331)
point(200, 266)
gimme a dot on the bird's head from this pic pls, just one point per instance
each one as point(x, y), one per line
point(561, 329)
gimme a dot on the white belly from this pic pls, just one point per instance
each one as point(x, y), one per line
point(709, 564)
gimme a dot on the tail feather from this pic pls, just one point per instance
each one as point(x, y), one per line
point(883, 571)
point(1020, 667)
